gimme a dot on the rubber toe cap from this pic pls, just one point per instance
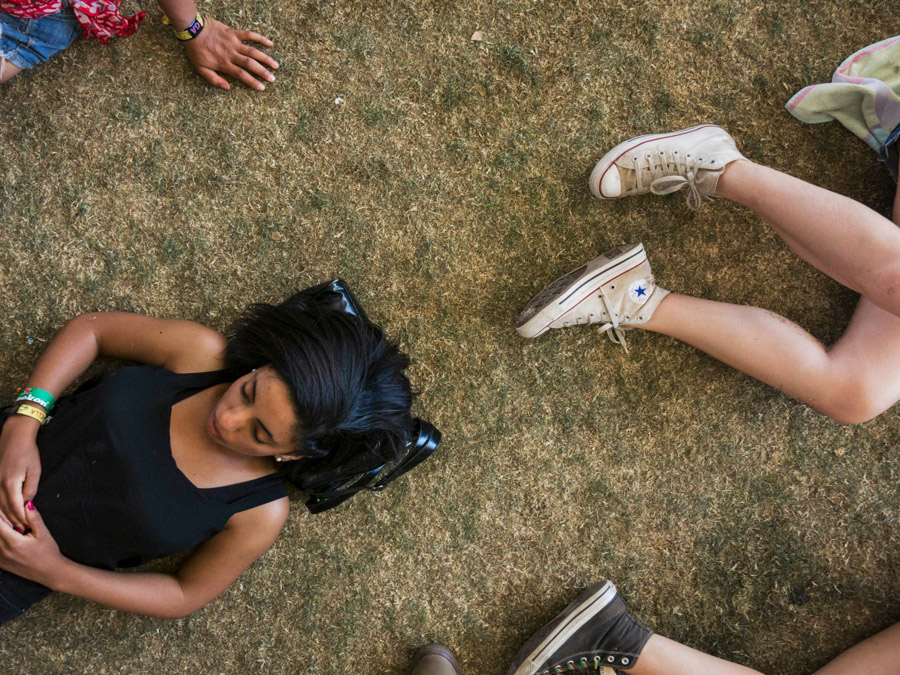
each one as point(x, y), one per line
point(611, 183)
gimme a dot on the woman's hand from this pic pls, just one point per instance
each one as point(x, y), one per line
point(33, 555)
point(220, 49)
point(20, 470)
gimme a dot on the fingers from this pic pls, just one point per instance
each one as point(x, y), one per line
point(253, 67)
point(7, 531)
point(261, 57)
point(29, 488)
point(35, 521)
point(214, 78)
point(247, 79)
point(249, 35)
point(12, 504)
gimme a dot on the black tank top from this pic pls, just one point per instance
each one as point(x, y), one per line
point(110, 492)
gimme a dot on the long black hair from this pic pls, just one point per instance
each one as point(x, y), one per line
point(347, 382)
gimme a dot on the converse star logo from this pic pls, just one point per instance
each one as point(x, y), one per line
point(639, 291)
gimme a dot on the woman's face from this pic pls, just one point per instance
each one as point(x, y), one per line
point(255, 416)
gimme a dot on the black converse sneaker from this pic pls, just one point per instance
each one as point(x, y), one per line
point(596, 632)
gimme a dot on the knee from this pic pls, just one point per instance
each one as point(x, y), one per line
point(854, 399)
point(884, 287)
point(7, 70)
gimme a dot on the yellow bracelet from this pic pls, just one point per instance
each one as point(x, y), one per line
point(191, 31)
point(32, 412)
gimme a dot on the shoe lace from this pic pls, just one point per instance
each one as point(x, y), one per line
point(612, 329)
point(662, 180)
point(595, 664)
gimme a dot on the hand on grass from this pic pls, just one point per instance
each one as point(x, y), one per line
point(20, 470)
point(33, 555)
point(219, 50)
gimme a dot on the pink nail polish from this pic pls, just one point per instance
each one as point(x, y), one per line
point(19, 530)
point(29, 505)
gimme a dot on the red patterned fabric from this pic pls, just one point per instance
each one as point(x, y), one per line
point(99, 19)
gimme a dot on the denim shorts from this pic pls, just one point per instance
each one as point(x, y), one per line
point(28, 42)
point(17, 595)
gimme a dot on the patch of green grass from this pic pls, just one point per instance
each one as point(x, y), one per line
point(373, 115)
point(514, 61)
point(357, 41)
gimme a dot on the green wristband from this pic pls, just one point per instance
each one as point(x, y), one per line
point(35, 395)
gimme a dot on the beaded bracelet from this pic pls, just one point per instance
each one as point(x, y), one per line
point(35, 395)
point(32, 412)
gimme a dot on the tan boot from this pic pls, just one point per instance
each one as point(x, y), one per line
point(691, 159)
point(434, 660)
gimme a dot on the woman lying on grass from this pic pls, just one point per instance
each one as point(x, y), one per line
point(852, 381)
point(189, 448)
point(31, 31)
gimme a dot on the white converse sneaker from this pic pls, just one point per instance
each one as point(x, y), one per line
point(615, 289)
point(692, 158)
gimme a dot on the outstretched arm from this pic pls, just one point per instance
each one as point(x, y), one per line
point(177, 345)
point(220, 50)
point(204, 575)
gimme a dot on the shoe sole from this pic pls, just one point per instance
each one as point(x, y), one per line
point(611, 157)
point(435, 650)
point(570, 290)
point(584, 608)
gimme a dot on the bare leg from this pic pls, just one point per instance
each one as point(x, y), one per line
point(846, 240)
point(7, 70)
point(878, 655)
point(852, 382)
point(662, 656)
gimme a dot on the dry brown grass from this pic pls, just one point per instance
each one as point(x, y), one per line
point(447, 188)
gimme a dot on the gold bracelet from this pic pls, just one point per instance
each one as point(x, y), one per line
point(32, 412)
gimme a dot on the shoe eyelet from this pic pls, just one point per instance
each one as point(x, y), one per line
point(611, 659)
point(570, 665)
point(583, 662)
point(625, 660)
point(675, 153)
point(613, 287)
point(634, 159)
point(640, 318)
point(627, 317)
